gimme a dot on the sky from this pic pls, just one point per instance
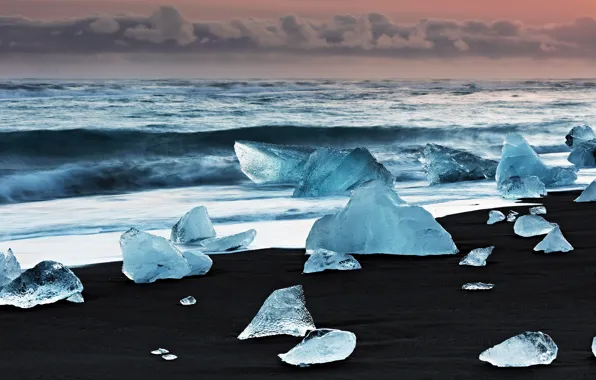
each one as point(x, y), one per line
point(298, 38)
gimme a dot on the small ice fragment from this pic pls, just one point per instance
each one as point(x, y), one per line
point(522, 187)
point(554, 242)
point(169, 357)
point(594, 346)
point(495, 217)
point(9, 267)
point(283, 313)
point(187, 301)
point(323, 259)
point(589, 194)
point(532, 225)
point(477, 257)
point(477, 286)
point(444, 165)
point(76, 298)
point(512, 216)
point(160, 351)
point(538, 210)
point(524, 350)
point(230, 243)
point(45, 283)
point(194, 226)
point(199, 262)
point(321, 346)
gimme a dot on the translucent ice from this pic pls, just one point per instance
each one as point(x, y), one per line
point(518, 159)
point(512, 216)
point(477, 286)
point(522, 187)
point(199, 263)
point(230, 243)
point(538, 210)
point(477, 257)
point(321, 346)
point(160, 351)
point(524, 350)
point(147, 258)
point(194, 226)
point(589, 194)
point(583, 154)
point(323, 259)
point(9, 267)
point(76, 298)
point(283, 313)
point(554, 242)
point(330, 171)
point(188, 301)
point(578, 135)
point(169, 357)
point(377, 220)
point(495, 216)
point(269, 163)
point(594, 346)
point(45, 283)
point(532, 225)
point(443, 165)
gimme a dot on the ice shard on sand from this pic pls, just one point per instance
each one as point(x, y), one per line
point(589, 194)
point(522, 187)
point(230, 243)
point(532, 225)
point(194, 226)
point(477, 257)
point(321, 346)
point(554, 242)
point(524, 350)
point(495, 216)
point(322, 260)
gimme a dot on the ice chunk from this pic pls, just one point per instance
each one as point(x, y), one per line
point(283, 313)
point(518, 159)
point(321, 346)
point(323, 259)
point(477, 286)
point(477, 257)
point(270, 163)
point(522, 187)
point(554, 242)
point(579, 134)
point(538, 210)
point(230, 243)
point(194, 226)
point(512, 216)
point(169, 357)
point(147, 258)
point(444, 165)
point(199, 263)
point(594, 346)
point(330, 171)
point(76, 298)
point(495, 216)
point(45, 283)
point(377, 220)
point(532, 225)
point(589, 194)
point(583, 154)
point(160, 351)
point(9, 267)
point(524, 350)
point(188, 301)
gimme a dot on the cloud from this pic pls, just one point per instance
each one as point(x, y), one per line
point(166, 23)
point(104, 25)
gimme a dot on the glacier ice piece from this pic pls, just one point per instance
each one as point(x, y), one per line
point(524, 350)
point(230, 243)
point(76, 298)
point(495, 216)
point(579, 134)
point(148, 258)
point(199, 262)
point(532, 225)
point(169, 357)
point(194, 226)
point(283, 313)
point(477, 286)
point(512, 216)
point(321, 346)
point(554, 242)
point(594, 346)
point(45, 283)
point(331, 172)
point(160, 351)
point(477, 257)
point(9, 267)
point(377, 220)
point(188, 301)
point(583, 154)
point(271, 163)
point(518, 159)
point(445, 165)
point(323, 259)
point(522, 187)
point(589, 194)
point(538, 210)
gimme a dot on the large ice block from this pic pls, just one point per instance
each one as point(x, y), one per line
point(522, 187)
point(583, 154)
point(554, 242)
point(589, 194)
point(377, 220)
point(45, 283)
point(532, 225)
point(579, 134)
point(444, 165)
point(477, 257)
point(270, 163)
point(199, 262)
point(518, 159)
point(283, 313)
point(524, 350)
point(230, 243)
point(322, 260)
point(194, 226)
point(321, 346)
point(9, 267)
point(331, 172)
point(147, 258)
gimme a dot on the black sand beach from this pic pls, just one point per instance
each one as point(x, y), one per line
point(410, 315)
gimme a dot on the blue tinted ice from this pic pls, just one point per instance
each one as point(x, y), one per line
point(322, 260)
point(495, 216)
point(9, 267)
point(524, 350)
point(554, 242)
point(477, 257)
point(199, 263)
point(522, 187)
point(194, 226)
point(538, 210)
point(443, 165)
point(230, 243)
point(532, 225)
point(321, 346)
point(578, 135)
point(589, 194)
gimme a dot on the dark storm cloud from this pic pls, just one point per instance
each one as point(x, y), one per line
point(168, 31)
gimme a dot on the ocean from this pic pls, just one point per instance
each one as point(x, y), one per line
point(82, 161)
